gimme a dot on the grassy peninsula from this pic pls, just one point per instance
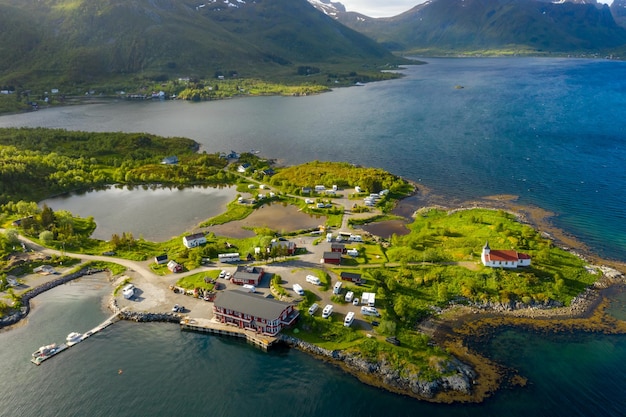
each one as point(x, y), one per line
point(418, 278)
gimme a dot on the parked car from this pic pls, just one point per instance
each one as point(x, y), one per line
point(248, 287)
point(228, 275)
point(313, 279)
point(369, 311)
point(222, 274)
point(355, 302)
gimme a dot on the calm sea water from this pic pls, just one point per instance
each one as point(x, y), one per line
point(166, 372)
point(549, 130)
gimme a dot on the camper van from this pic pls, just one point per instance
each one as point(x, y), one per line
point(312, 279)
point(349, 319)
point(297, 288)
point(328, 310)
point(337, 288)
point(313, 308)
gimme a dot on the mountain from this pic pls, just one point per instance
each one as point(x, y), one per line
point(529, 26)
point(84, 41)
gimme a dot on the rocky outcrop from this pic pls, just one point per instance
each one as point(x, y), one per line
point(150, 317)
point(455, 375)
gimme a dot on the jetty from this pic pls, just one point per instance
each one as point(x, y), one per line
point(214, 327)
point(38, 360)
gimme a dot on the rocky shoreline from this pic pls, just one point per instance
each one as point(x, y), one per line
point(458, 377)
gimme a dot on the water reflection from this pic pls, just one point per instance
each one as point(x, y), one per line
point(154, 212)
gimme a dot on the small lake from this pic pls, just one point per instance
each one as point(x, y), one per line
point(153, 212)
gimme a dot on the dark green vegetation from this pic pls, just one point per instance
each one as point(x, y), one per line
point(74, 45)
point(499, 27)
point(37, 163)
point(343, 175)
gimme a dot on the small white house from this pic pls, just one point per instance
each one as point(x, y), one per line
point(194, 240)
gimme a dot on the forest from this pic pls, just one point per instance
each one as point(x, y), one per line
point(37, 163)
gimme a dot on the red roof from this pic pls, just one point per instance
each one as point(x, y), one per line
point(504, 256)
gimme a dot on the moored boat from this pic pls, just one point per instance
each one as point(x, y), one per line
point(73, 338)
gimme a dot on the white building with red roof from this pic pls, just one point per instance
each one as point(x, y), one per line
point(503, 258)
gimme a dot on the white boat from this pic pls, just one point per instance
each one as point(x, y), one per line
point(73, 338)
point(45, 351)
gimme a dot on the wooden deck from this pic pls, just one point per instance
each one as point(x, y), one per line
point(214, 327)
point(63, 347)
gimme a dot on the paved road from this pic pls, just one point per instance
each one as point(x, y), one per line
point(153, 294)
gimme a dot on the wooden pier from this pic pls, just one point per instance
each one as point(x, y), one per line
point(214, 327)
point(63, 347)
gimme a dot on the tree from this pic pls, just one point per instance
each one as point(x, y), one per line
point(46, 237)
point(47, 217)
point(12, 237)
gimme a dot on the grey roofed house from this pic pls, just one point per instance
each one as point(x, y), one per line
point(253, 305)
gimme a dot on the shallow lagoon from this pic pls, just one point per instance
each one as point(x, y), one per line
point(155, 213)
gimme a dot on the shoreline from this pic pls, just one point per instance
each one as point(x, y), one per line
point(461, 329)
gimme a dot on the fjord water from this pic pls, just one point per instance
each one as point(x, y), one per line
point(548, 130)
point(166, 372)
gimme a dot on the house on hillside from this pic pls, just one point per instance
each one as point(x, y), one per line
point(332, 258)
point(350, 276)
point(250, 275)
point(503, 258)
point(243, 167)
point(338, 247)
point(161, 259)
point(288, 245)
point(249, 311)
point(194, 240)
point(174, 267)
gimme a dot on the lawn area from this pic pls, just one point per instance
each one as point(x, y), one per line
point(198, 281)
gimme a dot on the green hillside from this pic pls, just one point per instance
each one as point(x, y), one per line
point(80, 42)
point(506, 26)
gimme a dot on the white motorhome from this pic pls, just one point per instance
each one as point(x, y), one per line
point(313, 280)
point(313, 308)
point(229, 257)
point(349, 319)
point(337, 288)
point(297, 288)
point(328, 310)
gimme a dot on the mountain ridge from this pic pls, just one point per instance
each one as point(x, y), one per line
point(533, 26)
point(78, 41)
